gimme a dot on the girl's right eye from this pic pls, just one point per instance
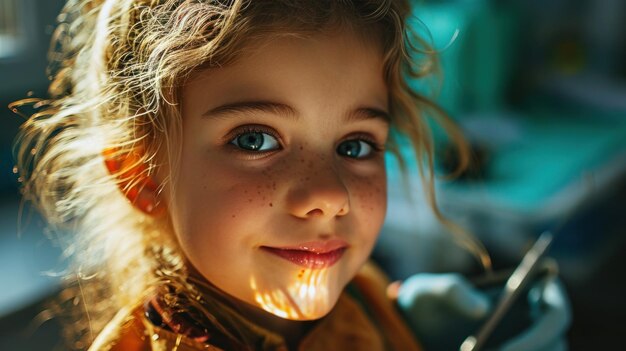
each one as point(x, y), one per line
point(255, 141)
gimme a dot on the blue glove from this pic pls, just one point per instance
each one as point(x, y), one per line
point(443, 309)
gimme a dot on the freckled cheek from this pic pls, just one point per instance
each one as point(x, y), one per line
point(256, 192)
point(204, 203)
point(218, 218)
point(370, 199)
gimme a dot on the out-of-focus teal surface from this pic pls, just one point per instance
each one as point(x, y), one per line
point(475, 41)
point(542, 149)
point(549, 154)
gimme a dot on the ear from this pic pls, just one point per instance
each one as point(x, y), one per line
point(134, 180)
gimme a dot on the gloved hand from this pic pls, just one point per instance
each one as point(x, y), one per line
point(443, 309)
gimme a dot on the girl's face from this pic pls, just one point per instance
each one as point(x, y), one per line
point(281, 190)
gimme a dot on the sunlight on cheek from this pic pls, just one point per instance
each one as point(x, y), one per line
point(304, 299)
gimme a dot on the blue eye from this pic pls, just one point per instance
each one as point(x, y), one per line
point(355, 148)
point(255, 141)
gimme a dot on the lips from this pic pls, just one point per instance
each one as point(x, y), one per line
point(313, 255)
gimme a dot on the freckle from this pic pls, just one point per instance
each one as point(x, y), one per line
point(307, 178)
point(233, 216)
point(263, 198)
point(271, 204)
point(301, 147)
point(258, 192)
point(302, 160)
point(245, 191)
point(249, 200)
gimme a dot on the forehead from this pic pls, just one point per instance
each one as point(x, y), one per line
point(295, 67)
point(255, 37)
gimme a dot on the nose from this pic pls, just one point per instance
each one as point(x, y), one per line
point(321, 193)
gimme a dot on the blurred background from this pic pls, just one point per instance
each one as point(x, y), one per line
point(539, 88)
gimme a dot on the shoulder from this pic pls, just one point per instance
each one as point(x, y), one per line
point(369, 287)
point(125, 331)
point(132, 330)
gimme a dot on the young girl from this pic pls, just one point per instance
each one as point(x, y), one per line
point(222, 165)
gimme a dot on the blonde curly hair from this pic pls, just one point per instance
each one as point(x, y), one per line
point(116, 66)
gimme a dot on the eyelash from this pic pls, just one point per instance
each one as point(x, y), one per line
point(376, 147)
point(237, 132)
point(368, 139)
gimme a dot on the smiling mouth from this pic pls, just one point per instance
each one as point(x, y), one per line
point(310, 256)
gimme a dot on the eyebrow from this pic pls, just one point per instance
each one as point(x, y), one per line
point(251, 107)
point(280, 109)
point(365, 113)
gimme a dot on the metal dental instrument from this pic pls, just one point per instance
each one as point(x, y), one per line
point(514, 285)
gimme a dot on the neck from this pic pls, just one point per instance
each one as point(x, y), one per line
point(291, 331)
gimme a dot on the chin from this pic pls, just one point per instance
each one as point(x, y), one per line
point(305, 311)
point(308, 298)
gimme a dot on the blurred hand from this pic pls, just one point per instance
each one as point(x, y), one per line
point(443, 309)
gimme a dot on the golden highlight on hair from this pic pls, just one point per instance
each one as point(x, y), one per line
point(116, 67)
